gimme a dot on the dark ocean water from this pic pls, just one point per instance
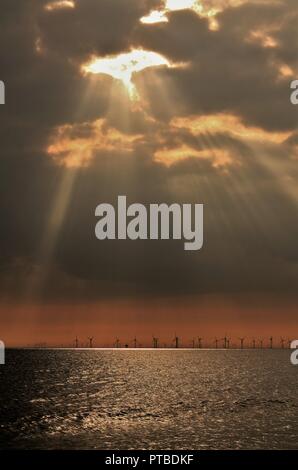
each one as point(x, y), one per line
point(183, 399)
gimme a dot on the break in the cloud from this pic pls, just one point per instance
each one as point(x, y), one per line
point(192, 106)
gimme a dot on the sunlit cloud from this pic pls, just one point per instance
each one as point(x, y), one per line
point(286, 71)
point(58, 5)
point(218, 157)
point(231, 124)
point(206, 145)
point(122, 66)
point(205, 6)
point(175, 5)
point(263, 38)
point(155, 17)
point(74, 146)
point(222, 4)
point(160, 16)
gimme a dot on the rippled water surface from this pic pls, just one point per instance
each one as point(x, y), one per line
point(184, 399)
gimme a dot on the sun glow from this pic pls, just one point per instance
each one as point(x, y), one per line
point(124, 65)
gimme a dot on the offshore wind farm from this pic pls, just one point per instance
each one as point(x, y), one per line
point(177, 342)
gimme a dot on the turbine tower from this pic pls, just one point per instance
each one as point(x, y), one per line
point(225, 342)
point(90, 338)
point(241, 342)
point(200, 342)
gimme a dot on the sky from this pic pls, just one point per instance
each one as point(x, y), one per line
point(178, 101)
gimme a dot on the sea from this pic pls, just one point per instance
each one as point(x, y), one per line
point(148, 399)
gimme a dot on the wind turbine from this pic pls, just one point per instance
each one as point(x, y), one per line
point(176, 339)
point(155, 342)
point(226, 342)
point(90, 341)
point(200, 342)
point(241, 342)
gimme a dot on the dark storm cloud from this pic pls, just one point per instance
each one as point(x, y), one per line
point(226, 71)
point(250, 217)
point(93, 27)
point(250, 230)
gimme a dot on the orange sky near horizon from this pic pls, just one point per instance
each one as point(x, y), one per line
point(190, 317)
